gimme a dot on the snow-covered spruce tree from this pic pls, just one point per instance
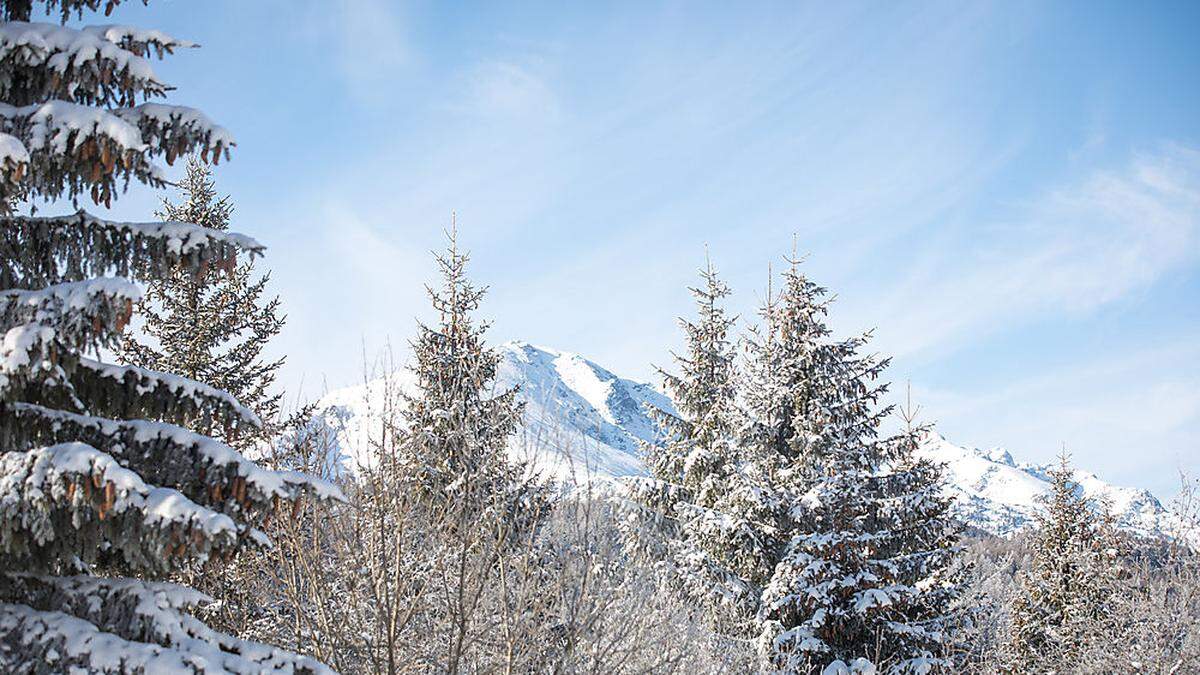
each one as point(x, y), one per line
point(922, 557)
point(99, 478)
point(212, 326)
point(788, 359)
point(702, 511)
point(474, 504)
point(1068, 596)
point(869, 543)
point(457, 427)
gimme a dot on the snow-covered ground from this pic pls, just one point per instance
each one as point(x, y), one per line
point(584, 423)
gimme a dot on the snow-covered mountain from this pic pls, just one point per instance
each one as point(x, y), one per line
point(583, 423)
point(997, 494)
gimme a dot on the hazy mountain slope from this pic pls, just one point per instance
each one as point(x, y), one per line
point(582, 422)
point(599, 419)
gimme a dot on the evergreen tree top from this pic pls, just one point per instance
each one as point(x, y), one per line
point(1068, 591)
point(866, 572)
point(803, 307)
point(211, 326)
point(1067, 519)
point(452, 362)
point(199, 202)
point(704, 391)
point(806, 393)
point(457, 427)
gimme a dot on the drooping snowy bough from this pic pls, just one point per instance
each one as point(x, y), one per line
point(108, 471)
point(88, 487)
point(70, 124)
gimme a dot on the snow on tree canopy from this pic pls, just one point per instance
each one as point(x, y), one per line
point(111, 54)
point(75, 306)
point(108, 471)
point(152, 616)
point(12, 151)
point(866, 569)
point(701, 513)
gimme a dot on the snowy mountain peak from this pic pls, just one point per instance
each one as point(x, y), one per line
point(597, 419)
point(583, 423)
point(581, 420)
point(1001, 456)
point(591, 382)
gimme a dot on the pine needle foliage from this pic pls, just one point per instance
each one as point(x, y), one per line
point(700, 513)
point(867, 563)
point(457, 426)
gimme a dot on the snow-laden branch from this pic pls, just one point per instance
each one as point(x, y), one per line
point(27, 357)
point(72, 499)
point(97, 65)
point(151, 393)
point(36, 251)
point(205, 470)
point(77, 149)
point(172, 129)
point(64, 643)
point(149, 612)
point(33, 353)
point(89, 311)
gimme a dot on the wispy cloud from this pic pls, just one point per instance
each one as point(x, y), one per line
point(507, 90)
point(1074, 249)
point(367, 40)
point(347, 262)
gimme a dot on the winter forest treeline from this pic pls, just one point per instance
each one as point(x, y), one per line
point(162, 512)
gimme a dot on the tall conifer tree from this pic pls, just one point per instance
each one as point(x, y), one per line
point(701, 506)
point(101, 484)
point(457, 426)
point(441, 505)
point(211, 327)
point(868, 542)
point(1068, 595)
point(788, 361)
point(922, 556)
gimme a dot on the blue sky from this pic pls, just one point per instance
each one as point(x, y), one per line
point(1008, 193)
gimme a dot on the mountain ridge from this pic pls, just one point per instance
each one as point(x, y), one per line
point(584, 423)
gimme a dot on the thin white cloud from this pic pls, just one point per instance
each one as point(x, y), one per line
point(508, 90)
point(367, 40)
point(1133, 418)
point(347, 264)
point(1077, 248)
